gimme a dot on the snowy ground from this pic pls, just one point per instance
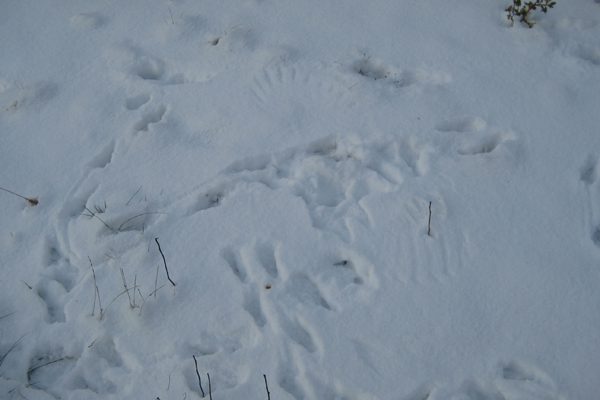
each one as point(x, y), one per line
point(285, 154)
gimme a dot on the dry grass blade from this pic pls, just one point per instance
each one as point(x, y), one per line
point(11, 348)
point(32, 201)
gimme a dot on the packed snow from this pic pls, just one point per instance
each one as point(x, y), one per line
point(252, 199)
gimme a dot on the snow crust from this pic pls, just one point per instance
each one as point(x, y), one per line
point(359, 200)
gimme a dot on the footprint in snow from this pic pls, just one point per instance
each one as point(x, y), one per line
point(377, 70)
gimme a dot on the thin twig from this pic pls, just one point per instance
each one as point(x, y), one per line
point(209, 387)
point(429, 223)
point(164, 261)
point(267, 387)
point(198, 375)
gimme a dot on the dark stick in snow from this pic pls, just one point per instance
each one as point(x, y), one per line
point(429, 223)
point(267, 387)
point(198, 375)
point(209, 387)
point(165, 262)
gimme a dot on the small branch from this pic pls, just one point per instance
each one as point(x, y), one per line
point(267, 387)
point(198, 375)
point(33, 201)
point(429, 223)
point(164, 261)
point(209, 387)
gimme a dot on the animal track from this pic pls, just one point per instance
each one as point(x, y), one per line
point(588, 174)
point(16, 96)
point(466, 124)
point(253, 306)
point(135, 102)
point(591, 54)
point(233, 263)
point(376, 70)
point(596, 236)
point(306, 291)
point(91, 20)
point(148, 68)
point(319, 95)
point(51, 292)
point(297, 330)
point(152, 117)
point(103, 158)
point(138, 64)
point(372, 69)
point(589, 171)
point(518, 380)
point(485, 145)
point(330, 176)
point(352, 269)
point(266, 257)
point(57, 280)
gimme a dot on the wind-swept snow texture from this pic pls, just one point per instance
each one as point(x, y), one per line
point(286, 154)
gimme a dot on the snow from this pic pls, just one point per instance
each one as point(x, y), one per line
point(284, 154)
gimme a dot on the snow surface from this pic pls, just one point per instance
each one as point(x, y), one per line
point(285, 154)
